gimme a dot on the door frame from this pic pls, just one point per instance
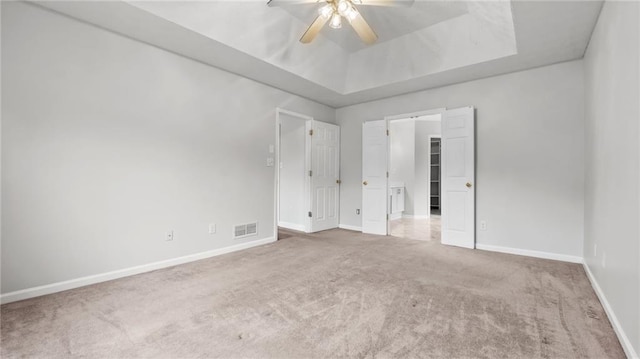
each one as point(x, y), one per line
point(404, 116)
point(307, 165)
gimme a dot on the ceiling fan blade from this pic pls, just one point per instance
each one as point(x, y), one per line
point(399, 3)
point(290, 2)
point(313, 30)
point(363, 30)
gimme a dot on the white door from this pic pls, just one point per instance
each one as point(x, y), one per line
point(374, 177)
point(458, 177)
point(325, 176)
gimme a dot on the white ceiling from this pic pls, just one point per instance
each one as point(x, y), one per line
point(432, 43)
point(388, 22)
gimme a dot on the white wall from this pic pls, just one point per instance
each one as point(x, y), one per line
point(612, 173)
point(108, 142)
point(530, 163)
point(292, 173)
point(402, 159)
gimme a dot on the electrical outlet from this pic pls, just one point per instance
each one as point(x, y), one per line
point(357, 210)
point(483, 225)
point(169, 235)
point(604, 260)
point(212, 228)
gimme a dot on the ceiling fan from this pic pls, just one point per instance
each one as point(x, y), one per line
point(334, 11)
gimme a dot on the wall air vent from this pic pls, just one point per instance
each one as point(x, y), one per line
point(245, 230)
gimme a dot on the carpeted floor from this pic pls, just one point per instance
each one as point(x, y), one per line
point(332, 294)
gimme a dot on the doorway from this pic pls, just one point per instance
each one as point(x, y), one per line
point(414, 173)
point(435, 178)
point(457, 176)
point(307, 173)
point(292, 164)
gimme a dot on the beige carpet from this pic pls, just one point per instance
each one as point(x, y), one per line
point(332, 294)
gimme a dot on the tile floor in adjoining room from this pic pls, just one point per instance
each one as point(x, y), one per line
point(417, 228)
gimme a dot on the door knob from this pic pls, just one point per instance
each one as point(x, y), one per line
point(365, 183)
point(468, 185)
point(338, 181)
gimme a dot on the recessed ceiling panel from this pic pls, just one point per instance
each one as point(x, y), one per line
point(388, 22)
point(432, 43)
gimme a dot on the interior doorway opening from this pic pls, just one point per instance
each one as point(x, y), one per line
point(292, 166)
point(307, 175)
point(457, 176)
point(292, 163)
point(414, 177)
point(435, 178)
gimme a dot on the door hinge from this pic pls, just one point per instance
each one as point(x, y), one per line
point(309, 214)
point(311, 132)
point(310, 173)
point(387, 216)
point(387, 174)
point(387, 132)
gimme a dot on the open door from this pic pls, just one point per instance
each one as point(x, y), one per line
point(374, 177)
point(325, 175)
point(458, 177)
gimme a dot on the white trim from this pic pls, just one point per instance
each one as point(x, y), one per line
point(103, 277)
point(292, 226)
point(529, 253)
point(404, 116)
point(622, 337)
point(415, 216)
point(294, 114)
point(350, 227)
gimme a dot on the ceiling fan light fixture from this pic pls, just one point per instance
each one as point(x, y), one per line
point(336, 21)
point(326, 11)
point(351, 13)
point(347, 10)
point(332, 12)
point(343, 7)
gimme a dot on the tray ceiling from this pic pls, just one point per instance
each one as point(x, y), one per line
point(429, 44)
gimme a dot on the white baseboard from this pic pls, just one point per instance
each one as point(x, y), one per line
point(292, 226)
point(530, 253)
point(622, 337)
point(103, 277)
point(349, 227)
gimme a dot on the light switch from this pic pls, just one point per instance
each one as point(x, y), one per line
point(271, 149)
